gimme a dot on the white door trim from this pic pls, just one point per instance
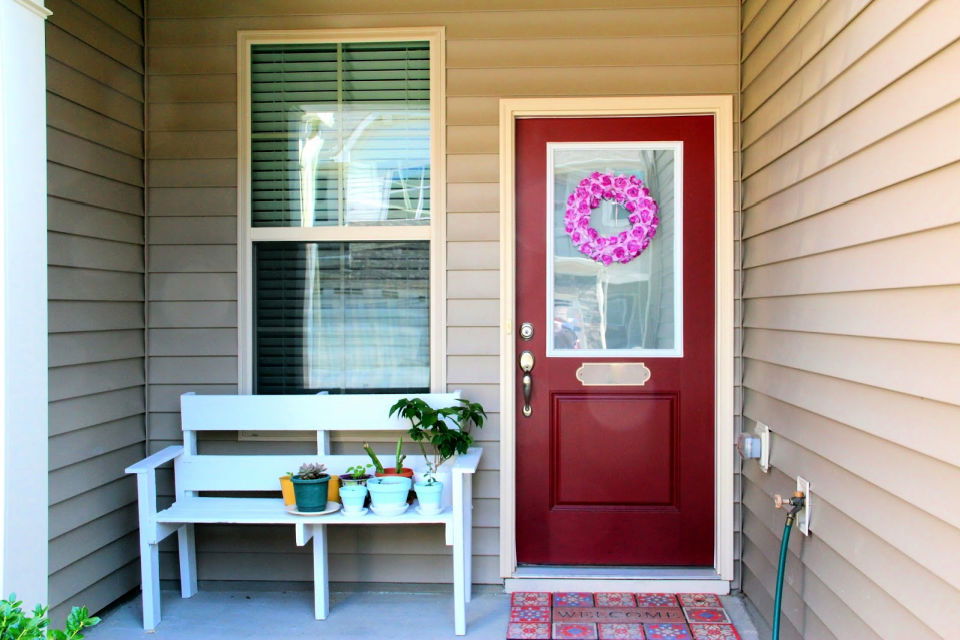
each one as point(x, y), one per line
point(721, 107)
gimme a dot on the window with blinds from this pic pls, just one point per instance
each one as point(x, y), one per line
point(342, 317)
point(340, 133)
point(340, 156)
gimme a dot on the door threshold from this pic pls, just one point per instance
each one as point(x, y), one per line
point(618, 579)
point(616, 573)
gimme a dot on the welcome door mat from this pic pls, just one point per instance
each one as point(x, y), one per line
point(620, 616)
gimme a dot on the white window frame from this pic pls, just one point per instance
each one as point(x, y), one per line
point(435, 232)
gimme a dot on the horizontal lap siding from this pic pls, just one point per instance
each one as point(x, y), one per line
point(95, 107)
point(506, 49)
point(850, 310)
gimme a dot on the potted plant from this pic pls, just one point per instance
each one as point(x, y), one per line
point(388, 494)
point(441, 434)
point(355, 475)
point(310, 487)
point(19, 625)
point(429, 493)
point(397, 469)
point(286, 489)
point(353, 493)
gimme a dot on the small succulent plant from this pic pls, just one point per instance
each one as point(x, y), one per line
point(311, 471)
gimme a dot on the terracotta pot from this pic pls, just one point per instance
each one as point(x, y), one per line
point(405, 472)
point(286, 488)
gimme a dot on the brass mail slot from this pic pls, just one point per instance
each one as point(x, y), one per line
point(607, 374)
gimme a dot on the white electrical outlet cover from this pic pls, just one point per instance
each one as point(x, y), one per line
point(803, 516)
point(764, 432)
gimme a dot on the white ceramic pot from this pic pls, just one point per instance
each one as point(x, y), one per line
point(353, 496)
point(443, 476)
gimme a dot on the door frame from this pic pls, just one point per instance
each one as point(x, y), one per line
point(721, 107)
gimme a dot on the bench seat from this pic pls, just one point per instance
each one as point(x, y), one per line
point(271, 511)
point(196, 473)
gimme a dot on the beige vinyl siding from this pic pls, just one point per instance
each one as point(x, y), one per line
point(851, 142)
point(494, 50)
point(96, 269)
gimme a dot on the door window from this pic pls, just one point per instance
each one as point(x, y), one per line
point(614, 272)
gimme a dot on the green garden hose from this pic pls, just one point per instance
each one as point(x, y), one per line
point(796, 503)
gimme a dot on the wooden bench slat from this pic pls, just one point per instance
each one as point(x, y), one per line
point(271, 511)
point(299, 413)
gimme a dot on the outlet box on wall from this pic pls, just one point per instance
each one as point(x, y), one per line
point(803, 516)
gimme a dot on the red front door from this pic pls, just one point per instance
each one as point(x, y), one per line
point(615, 278)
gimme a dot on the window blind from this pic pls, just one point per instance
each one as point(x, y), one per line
point(340, 134)
point(342, 317)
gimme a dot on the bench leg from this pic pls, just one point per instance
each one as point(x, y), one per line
point(321, 586)
point(150, 583)
point(468, 537)
point(188, 561)
point(459, 564)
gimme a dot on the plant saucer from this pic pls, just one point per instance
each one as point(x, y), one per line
point(420, 510)
point(332, 507)
point(392, 510)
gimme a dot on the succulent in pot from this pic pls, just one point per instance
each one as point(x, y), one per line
point(310, 487)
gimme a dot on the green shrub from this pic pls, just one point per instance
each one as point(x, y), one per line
point(15, 624)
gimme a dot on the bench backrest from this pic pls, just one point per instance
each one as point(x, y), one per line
point(316, 413)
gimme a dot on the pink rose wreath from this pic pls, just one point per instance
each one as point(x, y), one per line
point(632, 195)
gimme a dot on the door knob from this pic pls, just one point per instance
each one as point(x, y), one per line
point(526, 365)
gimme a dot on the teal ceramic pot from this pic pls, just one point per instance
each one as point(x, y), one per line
point(353, 497)
point(389, 491)
point(429, 496)
point(311, 494)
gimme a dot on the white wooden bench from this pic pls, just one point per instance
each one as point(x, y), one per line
point(195, 473)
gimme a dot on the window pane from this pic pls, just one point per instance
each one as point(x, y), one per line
point(340, 134)
point(623, 300)
point(342, 317)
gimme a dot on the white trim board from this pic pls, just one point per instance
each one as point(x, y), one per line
point(24, 480)
point(435, 232)
point(721, 107)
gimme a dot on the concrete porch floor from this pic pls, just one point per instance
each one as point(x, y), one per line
point(268, 615)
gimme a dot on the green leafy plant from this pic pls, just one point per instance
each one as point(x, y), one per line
point(446, 430)
point(358, 472)
point(311, 471)
point(15, 624)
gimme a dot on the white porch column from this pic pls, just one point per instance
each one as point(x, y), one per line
point(23, 302)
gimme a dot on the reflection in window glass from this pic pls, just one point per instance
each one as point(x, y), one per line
point(616, 309)
point(342, 317)
point(340, 134)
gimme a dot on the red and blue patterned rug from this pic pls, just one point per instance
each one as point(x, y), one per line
point(620, 616)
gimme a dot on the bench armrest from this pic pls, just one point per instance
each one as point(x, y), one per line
point(152, 462)
point(468, 462)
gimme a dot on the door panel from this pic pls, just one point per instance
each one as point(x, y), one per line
point(615, 474)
